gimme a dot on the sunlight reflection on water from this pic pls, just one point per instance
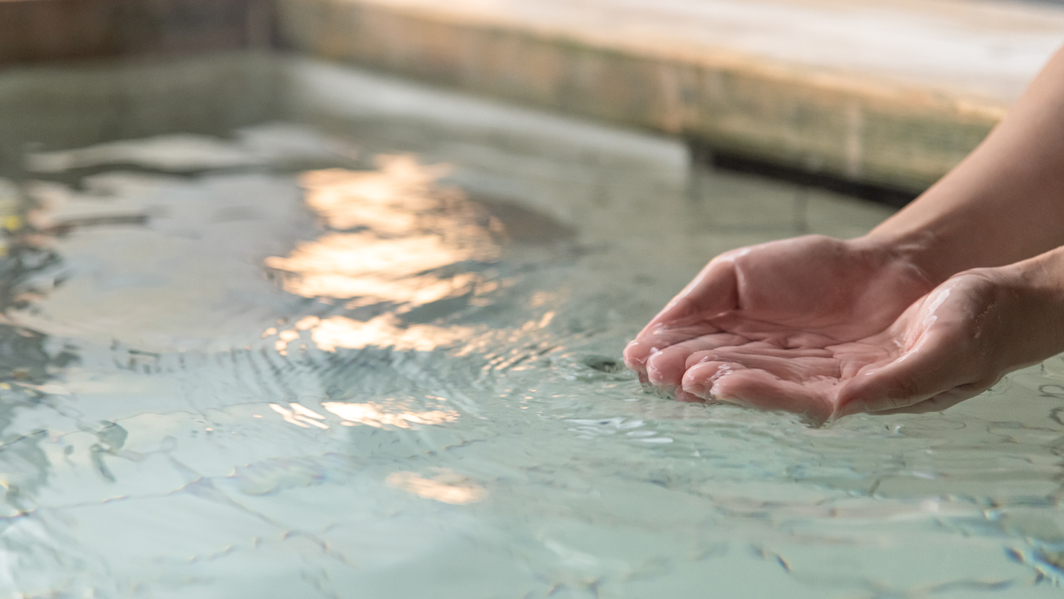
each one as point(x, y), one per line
point(446, 487)
point(399, 231)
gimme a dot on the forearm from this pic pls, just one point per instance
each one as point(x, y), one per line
point(1039, 287)
point(1001, 204)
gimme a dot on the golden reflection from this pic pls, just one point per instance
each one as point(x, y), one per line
point(345, 265)
point(392, 228)
point(348, 199)
point(372, 414)
point(384, 331)
point(300, 416)
point(541, 298)
point(395, 236)
point(378, 416)
point(447, 487)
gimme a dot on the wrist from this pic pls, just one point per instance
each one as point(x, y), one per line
point(918, 252)
point(944, 232)
point(1037, 284)
point(1041, 276)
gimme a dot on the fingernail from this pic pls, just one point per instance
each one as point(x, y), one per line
point(628, 350)
point(732, 400)
point(684, 396)
point(654, 375)
point(717, 397)
point(696, 389)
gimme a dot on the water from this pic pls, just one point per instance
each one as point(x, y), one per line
point(372, 349)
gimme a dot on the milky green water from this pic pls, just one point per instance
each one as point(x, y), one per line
point(374, 351)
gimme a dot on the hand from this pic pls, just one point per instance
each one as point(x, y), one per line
point(782, 325)
point(961, 338)
point(812, 324)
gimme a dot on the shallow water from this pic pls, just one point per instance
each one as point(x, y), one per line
point(375, 352)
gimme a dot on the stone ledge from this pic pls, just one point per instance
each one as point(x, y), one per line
point(827, 117)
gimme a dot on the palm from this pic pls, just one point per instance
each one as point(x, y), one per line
point(780, 325)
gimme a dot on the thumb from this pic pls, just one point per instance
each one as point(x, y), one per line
point(935, 364)
point(713, 291)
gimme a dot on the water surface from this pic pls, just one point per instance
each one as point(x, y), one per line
point(376, 353)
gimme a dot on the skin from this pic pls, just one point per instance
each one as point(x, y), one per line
point(930, 308)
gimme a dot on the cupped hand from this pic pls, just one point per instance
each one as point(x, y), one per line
point(960, 339)
point(828, 328)
point(782, 325)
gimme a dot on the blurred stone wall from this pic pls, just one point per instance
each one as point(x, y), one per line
point(49, 30)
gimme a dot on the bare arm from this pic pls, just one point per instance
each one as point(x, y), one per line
point(1001, 204)
point(932, 307)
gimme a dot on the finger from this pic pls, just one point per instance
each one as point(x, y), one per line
point(734, 383)
point(699, 378)
point(711, 292)
point(646, 344)
point(790, 365)
point(774, 334)
point(758, 349)
point(684, 396)
point(665, 367)
point(933, 366)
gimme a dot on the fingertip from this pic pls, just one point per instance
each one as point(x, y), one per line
point(658, 373)
point(726, 397)
point(699, 378)
point(696, 388)
point(637, 354)
point(684, 396)
point(634, 357)
point(849, 409)
point(708, 381)
point(762, 390)
point(666, 367)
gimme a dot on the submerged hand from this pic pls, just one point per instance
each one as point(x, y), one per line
point(782, 325)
